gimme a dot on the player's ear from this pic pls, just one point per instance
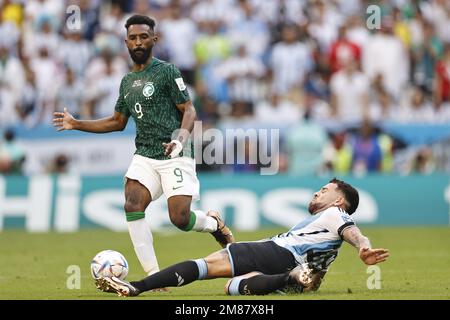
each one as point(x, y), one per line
point(339, 202)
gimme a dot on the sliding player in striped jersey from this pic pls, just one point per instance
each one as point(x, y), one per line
point(298, 258)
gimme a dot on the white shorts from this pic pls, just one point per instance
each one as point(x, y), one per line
point(172, 177)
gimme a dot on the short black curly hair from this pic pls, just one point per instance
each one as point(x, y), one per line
point(140, 19)
point(351, 195)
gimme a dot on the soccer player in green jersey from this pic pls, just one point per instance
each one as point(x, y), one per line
point(155, 95)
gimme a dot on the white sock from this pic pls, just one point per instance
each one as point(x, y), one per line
point(203, 223)
point(142, 239)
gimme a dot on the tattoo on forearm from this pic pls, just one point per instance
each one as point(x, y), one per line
point(356, 239)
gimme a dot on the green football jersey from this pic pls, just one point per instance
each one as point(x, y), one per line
point(150, 96)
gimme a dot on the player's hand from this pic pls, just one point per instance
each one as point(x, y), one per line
point(63, 120)
point(173, 148)
point(373, 256)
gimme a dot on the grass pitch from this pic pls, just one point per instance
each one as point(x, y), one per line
point(34, 266)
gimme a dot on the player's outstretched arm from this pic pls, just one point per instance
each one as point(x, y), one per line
point(368, 255)
point(65, 121)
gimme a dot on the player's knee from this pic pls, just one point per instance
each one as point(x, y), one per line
point(179, 219)
point(133, 206)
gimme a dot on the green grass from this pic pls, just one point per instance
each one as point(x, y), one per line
point(34, 265)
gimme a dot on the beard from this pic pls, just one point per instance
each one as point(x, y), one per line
point(311, 207)
point(141, 55)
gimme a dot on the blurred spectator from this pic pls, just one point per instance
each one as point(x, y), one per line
point(367, 154)
point(90, 16)
point(7, 105)
point(44, 37)
point(425, 55)
point(290, 61)
point(59, 164)
point(317, 84)
point(207, 111)
point(304, 145)
point(142, 7)
point(28, 104)
point(35, 9)
point(12, 156)
point(387, 153)
point(249, 31)
point(277, 111)
point(71, 94)
point(356, 31)
point(382, 107)
point(442, 80)
point(12, 75)
point(243, 74)
point(438, 13)
point(324, 25)
point(12, 11)
point(422, 162)
point(9, 35)
point(400, 28)
point(318, 109)
point(210, 49)
point(343, 50)
point(179, 35)
point(113, 19)
point(101, 72)
point(207, 11)
point(385, 54)
point(337, 154)
point(349, 93)
point(211, 45)
point(241, 110)
point(101, 94)
point(276, 13)
point(47, 75)
point(417, 109)
point(74, 52)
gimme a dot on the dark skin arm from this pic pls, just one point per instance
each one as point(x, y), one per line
point(187, 124)
point(65, 121)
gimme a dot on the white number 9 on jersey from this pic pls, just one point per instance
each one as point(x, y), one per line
point(138, 109)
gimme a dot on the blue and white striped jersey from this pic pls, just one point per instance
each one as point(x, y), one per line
point(317, 239)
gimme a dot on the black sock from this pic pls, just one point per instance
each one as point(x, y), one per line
point(263, 284)
point(177, 275)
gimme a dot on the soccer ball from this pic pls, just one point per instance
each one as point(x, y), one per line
point(109, 263)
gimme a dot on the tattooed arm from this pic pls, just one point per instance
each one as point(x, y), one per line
point(368, 255)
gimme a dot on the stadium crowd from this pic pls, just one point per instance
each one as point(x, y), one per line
point(313, 68)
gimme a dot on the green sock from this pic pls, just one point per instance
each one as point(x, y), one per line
point(133, 216)
point(190, 225)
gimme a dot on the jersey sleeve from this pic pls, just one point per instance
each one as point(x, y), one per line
point(336, 220)
point(177, 89)
point(121, 106)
